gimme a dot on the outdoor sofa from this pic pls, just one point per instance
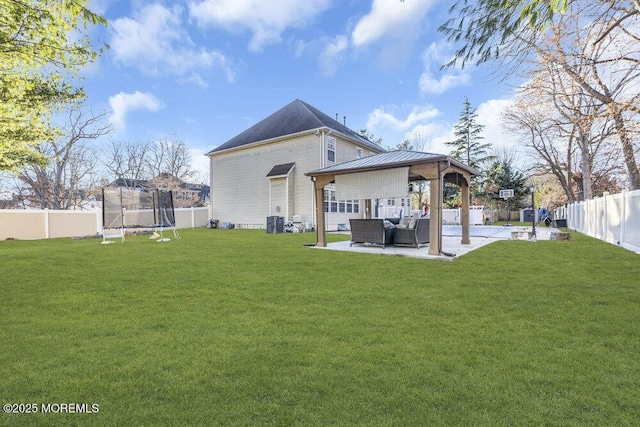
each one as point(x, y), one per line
point(392, 231)
point(371, 231)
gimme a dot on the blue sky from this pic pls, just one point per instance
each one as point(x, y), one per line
point(209, 69)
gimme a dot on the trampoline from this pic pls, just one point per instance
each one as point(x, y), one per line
point(125, 208)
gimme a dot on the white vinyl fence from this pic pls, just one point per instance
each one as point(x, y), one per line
point(50, 224)
point(613, 218)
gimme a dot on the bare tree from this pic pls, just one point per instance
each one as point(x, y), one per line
point(579, 107)
point(565, 134)
point(171, 156)
point(163, 164)
point(607, 73)
point(128, 161)
point(70, 177)
point(552, 149)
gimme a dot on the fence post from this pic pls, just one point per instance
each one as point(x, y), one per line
point(623, 217)
point(46, 223)
point(193, 217)
point(603, 218)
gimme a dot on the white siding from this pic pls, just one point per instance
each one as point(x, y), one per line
point(279, 197)
point(240, 187)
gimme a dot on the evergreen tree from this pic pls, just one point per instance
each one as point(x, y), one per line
point(468, 147)
point(501, 175)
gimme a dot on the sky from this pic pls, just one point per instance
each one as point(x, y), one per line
point(206, 70)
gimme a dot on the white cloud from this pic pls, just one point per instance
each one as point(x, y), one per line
point(122, 103)
point(379, 118)
point(429, 84)
point(200, 163)
point(428, 137)
point(332, 55)
point(155, 42)
point(265, 19)
point(489, 115)
point(436, 82)
point(390, 18)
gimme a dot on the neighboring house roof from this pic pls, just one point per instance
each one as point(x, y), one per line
point(144, 183)
point(296, 117)
point(129, 183)
point(280, 170)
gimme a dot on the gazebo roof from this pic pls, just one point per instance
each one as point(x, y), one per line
point(389, 160)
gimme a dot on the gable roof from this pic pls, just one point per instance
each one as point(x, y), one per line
point(296, 117)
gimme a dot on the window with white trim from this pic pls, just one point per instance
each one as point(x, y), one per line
point(358, 153)
point(342, 206)
point(331, 149)
point(330, 203)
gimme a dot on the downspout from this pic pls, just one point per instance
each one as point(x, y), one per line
point(286, 197)
point(322, 150)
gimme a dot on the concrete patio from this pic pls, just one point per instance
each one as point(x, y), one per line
point(451, 236)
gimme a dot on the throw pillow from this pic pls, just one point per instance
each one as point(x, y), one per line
point(404, 222)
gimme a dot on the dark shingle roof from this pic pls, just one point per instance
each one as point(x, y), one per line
point(296, 117)
point(279, 170)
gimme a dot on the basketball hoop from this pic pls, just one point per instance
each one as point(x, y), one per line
point(507, 194)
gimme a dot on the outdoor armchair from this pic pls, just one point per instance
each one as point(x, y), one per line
point(417, 236)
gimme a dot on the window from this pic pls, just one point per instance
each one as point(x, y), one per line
point(331, 149)
point(358, 153)
point(342, 206)
point(330, 203)
point(349, 206)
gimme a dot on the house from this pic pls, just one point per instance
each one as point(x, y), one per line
point(261, 172)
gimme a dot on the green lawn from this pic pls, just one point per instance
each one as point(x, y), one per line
point(240, 327)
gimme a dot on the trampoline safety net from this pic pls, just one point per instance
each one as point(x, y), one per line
point(129, 208)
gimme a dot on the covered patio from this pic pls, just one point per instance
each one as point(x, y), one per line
point(388, 175)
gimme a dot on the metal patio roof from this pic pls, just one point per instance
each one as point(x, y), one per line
point(387, 160)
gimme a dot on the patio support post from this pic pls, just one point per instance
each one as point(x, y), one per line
point(368, 214)
point(464, 216)
point(435, 224)
point(318, 185)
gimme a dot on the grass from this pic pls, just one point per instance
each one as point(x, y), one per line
point(240, 327)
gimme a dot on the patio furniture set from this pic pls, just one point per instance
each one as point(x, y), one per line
point(391, 231)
